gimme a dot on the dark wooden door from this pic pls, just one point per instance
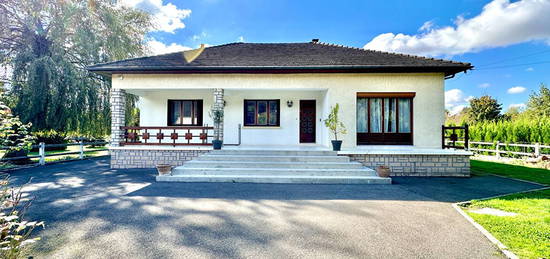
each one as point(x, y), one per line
point(307, 121)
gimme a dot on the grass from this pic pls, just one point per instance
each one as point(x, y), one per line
point(526, 234)
point(537, 175)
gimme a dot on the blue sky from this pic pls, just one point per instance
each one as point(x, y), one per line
point(507, 41)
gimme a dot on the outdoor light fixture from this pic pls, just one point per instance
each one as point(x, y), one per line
point(289, 103)
point(121, 77)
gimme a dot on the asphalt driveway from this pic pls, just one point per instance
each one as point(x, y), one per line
point(92, 211)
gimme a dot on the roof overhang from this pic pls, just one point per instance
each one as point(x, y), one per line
point(449, 71)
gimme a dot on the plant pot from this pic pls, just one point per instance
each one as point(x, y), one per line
point(383, 171)
point(336, 145)
point(164, 169)
point(217, 144)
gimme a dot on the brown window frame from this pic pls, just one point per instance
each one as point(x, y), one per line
point(387, 138)
point(256, 112)
point(199, 114)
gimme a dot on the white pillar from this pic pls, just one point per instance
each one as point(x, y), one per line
point(118, 107)
point(218, 105)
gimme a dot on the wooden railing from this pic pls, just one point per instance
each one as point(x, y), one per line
point(450, 138)
point(173, 136)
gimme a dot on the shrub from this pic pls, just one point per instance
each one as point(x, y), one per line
point(50, 137)
point(14, 135)
point(14, 231)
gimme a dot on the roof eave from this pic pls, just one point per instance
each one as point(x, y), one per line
point(448, 70)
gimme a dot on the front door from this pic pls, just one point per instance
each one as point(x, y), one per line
point(307, 121)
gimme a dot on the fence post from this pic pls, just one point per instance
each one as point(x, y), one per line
point(498, 149)
point(537, 149)
point(42, 153)
point(81, 149)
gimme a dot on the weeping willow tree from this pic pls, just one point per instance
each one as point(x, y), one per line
point(49, 43)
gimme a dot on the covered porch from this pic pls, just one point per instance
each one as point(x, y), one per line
point(265, 117)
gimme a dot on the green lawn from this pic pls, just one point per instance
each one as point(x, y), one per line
point(537, 175)
point(526, 234)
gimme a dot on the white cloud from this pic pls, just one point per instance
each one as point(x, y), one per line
point(240, 39)
point(426, 26)
point(197, 37)
point(516, 90)
point(484, 85)
point(519, 106)
point(501, 23)
point(455, 100)
point(529, 69)
point(156, 47)
point(166, 17)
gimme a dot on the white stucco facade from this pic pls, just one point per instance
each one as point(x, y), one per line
point(327, 89)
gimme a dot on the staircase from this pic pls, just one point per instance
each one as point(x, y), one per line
point(274, 166)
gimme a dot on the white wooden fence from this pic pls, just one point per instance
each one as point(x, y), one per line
point(499, 149)
point(42, 151)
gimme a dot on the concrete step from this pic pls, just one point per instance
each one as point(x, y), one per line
point(297, 179)
point(271, 158)
point(180, 170)
point(270, 152)
point(271, 164)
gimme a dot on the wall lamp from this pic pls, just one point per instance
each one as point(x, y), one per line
point(289, 103)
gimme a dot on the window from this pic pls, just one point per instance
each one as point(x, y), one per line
point(384, 118)
point(184, 112)
point(261, 112)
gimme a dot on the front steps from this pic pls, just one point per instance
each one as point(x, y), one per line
point(274, 166)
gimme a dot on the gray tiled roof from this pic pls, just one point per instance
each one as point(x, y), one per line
point(281, 57)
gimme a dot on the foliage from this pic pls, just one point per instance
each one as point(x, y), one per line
point(13, 133)
point(14, 231)
point(526, 234)
point(484, 108)
point(538, 104)
point(521, 130)
point(333, 122)
point(537, 175)
point(49, 43)
point(50, 137)
point(217, 118)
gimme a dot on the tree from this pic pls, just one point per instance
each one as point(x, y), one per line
point(538, 104)
point(49, 43)
point(484, 108)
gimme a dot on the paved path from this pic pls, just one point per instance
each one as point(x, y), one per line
point(92, 211)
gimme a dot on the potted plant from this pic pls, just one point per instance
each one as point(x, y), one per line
point(217, 118)
point(164, 169)
point(383, 171)
point(334, 124)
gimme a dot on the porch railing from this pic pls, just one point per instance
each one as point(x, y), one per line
point(172, 136)
point(450, 137)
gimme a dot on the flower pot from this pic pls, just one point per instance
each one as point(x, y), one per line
point(217, 144)
point(164, 169)
point(336, 145)
point(383, 171)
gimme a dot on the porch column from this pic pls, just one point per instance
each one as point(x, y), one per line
point(218, 105)
point(118, 108)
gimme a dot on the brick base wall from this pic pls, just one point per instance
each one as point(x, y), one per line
point(121, 158)
point(418, 165)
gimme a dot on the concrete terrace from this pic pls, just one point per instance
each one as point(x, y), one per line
point(92, 211)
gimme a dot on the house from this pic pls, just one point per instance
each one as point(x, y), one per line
point(276, 95)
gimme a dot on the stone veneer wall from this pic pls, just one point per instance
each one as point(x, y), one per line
point(418, 165)
point(131, 158)
point(118, 107)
